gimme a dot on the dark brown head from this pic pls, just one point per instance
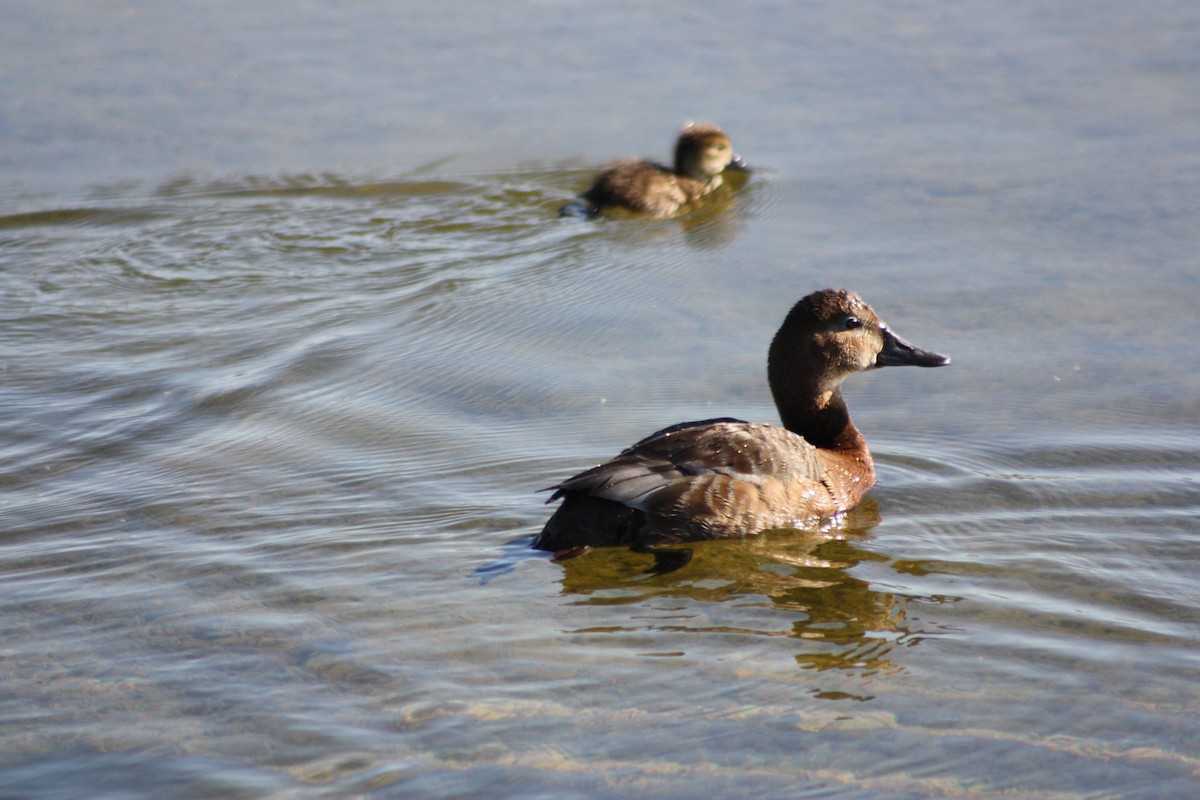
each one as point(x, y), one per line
point(830, 335)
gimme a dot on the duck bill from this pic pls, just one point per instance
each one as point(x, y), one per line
point(898, 353)
point(739, 164)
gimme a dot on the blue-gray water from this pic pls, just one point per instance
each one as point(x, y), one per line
point(292, 335)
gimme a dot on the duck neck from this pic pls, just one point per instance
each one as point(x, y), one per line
point(823, 420)
point(686, 168)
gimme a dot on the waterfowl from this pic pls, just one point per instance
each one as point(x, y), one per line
point(702, 154)
point(727, 477)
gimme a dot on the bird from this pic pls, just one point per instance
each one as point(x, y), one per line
point(725, 477)
point(702, 153)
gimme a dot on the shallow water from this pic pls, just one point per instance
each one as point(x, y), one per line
point(294, 335)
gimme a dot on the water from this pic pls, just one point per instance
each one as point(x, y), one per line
point(293, 335)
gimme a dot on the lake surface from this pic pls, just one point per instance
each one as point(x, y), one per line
point(293, 335)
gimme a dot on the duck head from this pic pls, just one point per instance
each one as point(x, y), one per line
point(830, 335)
point(703, 152)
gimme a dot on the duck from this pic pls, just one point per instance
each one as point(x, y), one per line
point(702, 154)
point(725, 477)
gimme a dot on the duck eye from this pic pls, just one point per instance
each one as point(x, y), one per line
point(852, 323)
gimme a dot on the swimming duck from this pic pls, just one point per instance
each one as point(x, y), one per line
point(702, 153)
point(726, 477)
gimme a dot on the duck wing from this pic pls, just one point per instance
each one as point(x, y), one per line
point(643, 186)
point(709, 456)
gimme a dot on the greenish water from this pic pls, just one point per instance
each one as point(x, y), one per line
point(293, 335)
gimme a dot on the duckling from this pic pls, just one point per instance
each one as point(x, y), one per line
point(726, 477)
point(702, 154)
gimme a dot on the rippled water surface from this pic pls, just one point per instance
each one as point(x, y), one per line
point(293, 335)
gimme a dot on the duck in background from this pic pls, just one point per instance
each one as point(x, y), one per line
point(725, 477)
point(702, 154)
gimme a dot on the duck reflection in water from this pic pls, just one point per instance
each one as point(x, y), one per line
point(793, 584)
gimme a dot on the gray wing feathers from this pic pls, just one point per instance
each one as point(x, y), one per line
point(662, 466)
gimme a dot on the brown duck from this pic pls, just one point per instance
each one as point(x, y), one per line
point(702, 154)
point(725, 477)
